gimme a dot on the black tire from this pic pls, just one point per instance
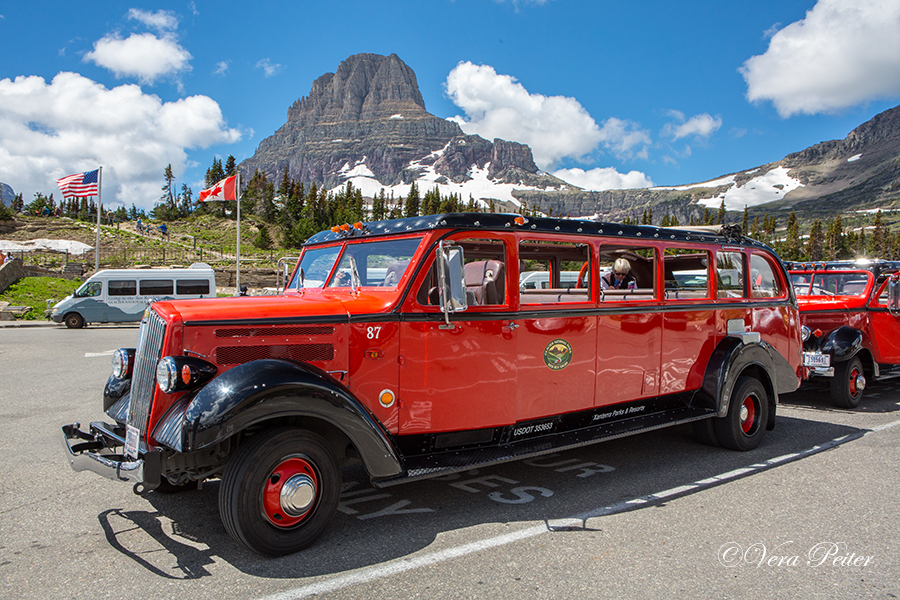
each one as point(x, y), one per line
point(74, 321)
point(748, 410)
point(250, 496)
point(705, 432)
point(848, 383)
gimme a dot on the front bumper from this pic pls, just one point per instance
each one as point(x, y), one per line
point(101, 451)
point(56, 317)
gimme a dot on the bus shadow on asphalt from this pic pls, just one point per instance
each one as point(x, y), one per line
point(182, 534)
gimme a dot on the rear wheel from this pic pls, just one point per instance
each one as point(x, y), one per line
point(74, 321)
point(279, 491)
point(848, 383)
point(748, 409)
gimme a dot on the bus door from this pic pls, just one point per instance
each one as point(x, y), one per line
point(556, 333)
point(462, 377)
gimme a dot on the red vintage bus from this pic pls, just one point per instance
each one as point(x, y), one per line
point(410, 345)
point(850, 317)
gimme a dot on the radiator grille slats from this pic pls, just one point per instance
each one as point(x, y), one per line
point(234, 355)
point(143, 384)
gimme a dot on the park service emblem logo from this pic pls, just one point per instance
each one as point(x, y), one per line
point(557, 355)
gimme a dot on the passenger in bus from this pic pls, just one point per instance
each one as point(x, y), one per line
point(620, 278)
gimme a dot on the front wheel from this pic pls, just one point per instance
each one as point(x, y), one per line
point(280, 491)
point(748, 410)
point(74, 321)
point(848, 383)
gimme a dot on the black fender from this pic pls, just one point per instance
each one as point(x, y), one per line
point(842, 343)
point(731, 359)
point(266, 389)
point(114, 390)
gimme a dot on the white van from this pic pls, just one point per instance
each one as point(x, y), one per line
point(122, 295)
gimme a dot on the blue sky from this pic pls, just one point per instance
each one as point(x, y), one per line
point(607, 94)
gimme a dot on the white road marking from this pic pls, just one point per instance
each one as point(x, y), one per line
point(95, 354)
point(578, 521)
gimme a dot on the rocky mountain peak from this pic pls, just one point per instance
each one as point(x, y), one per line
point(365, 87)
point(368, 119)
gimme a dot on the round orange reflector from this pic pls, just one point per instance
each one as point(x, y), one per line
point(186, 374)
point(520, 220)
point(386, 398)
point(817, 333)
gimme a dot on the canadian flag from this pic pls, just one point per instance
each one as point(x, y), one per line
point(224, 190)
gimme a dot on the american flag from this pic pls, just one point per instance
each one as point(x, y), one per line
point(80, 184)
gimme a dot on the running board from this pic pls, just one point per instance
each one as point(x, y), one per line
point(432, 465)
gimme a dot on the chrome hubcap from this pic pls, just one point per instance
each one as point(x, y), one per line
point(297, 495)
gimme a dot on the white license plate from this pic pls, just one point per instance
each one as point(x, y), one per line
point(132, 439)
point(813, 359)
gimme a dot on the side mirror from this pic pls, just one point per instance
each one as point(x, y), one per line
point(452, 282)
point(894, 294)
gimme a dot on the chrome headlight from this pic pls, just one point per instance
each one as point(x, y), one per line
point(804, 333)
point(175, 373)
point(167, 374)
point(123, 363)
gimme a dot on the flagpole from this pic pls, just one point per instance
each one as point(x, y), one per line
point(97, 246)
point(237, 276)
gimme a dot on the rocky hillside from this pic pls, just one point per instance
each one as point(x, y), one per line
point(368, 121)
point(860, 172)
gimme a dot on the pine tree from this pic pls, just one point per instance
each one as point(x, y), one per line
point(745, 221)
point(815, 245)
point(879, 244)
point(792, 244)
point(263, 240)
point(230, 168)
point(412, 201)
point(720, 216)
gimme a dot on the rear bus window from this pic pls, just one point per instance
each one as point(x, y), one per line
point(156, 287)
point(121, 287)
point(730, 274)
point(192, 286)
point(764, 281)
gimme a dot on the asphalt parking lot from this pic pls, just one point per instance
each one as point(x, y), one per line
point(811, 513)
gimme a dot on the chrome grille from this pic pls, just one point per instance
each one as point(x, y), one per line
point(143, 382)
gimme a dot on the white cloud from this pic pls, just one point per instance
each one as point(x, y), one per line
point(700, 126)
point(497, 106)
point(840, 55)
point(625, 139)
point(161, 20)
point(141, 55)
point(268, 67)
point(604, 179)
point(221, 67)
point(75, 124)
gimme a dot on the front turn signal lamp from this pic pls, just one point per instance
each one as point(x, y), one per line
point(177, 373)
point(123, 363)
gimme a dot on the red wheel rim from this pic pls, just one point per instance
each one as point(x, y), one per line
point(748, 415)
point(854, 374)
point(290, 492)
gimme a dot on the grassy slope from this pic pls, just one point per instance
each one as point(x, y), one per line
point(35, 291)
